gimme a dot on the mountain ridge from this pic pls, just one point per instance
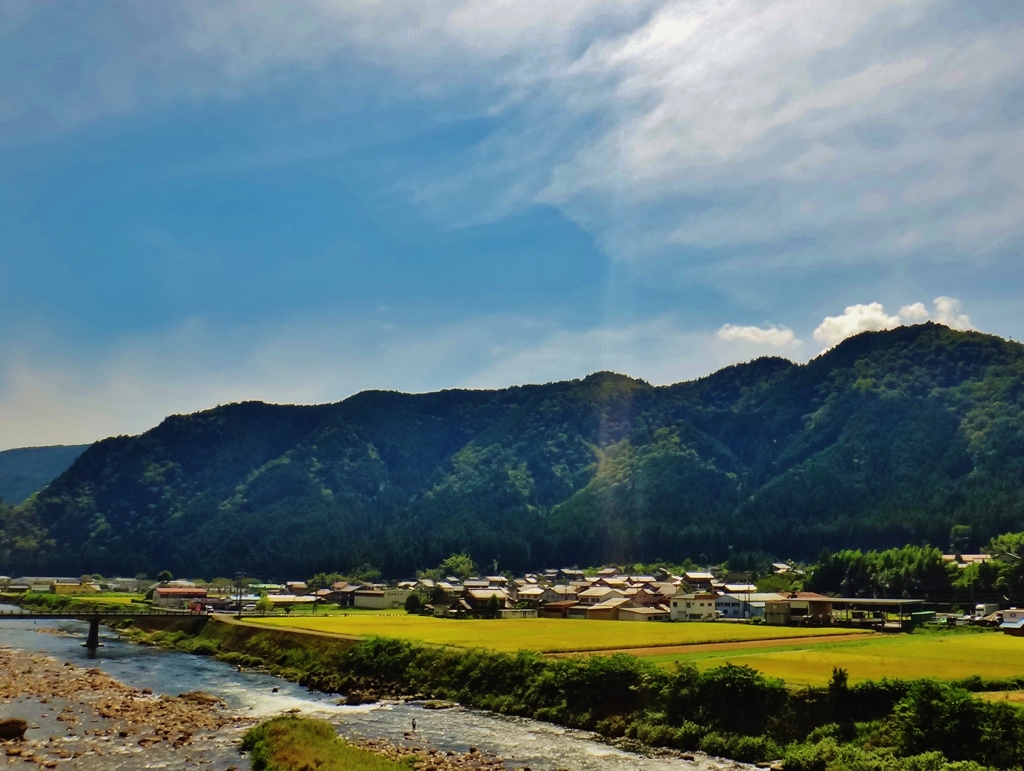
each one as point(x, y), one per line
point(888, 438)
point(27, 470)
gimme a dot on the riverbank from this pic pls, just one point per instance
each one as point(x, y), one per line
point(730, 711)
point(82, 718)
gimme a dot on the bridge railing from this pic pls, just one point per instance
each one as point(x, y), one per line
point(29, 613)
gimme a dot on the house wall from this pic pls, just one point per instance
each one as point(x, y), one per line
point(796, 612)
point(389, 598)
point(518, 613)
point(677, 610)
point(1012, 615)
point(626, 615)
point(700, 610)
point(176, 600)
point(730, 608)
point(69, 589)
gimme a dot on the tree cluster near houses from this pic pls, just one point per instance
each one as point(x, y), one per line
point(996, 574)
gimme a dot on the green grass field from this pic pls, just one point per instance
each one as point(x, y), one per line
point(943, 655)
point(540, 634)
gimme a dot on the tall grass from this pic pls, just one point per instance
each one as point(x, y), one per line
point(294, 743)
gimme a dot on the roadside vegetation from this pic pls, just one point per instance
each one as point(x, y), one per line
point(294, 743)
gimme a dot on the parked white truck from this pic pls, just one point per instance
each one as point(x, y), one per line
point(984, 609)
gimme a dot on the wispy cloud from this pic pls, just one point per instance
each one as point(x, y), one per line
point(771, 335)
point(798, 131)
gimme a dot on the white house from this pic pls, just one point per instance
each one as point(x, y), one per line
point(693, 607)
point(745, 605)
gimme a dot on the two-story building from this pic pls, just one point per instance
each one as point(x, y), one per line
point(693, 607)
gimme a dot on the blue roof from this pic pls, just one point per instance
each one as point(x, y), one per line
point(1018, 624)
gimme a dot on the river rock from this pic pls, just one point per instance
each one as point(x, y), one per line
point(201, 698)
point(355, 698)
point(13, 729)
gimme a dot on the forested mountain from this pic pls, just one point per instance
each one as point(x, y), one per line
point(890, 438)
point(28, 470)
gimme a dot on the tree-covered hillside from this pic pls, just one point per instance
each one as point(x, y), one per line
point(890, 438)
point(29, 469)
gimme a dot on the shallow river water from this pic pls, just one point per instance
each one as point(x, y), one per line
point(519, 741)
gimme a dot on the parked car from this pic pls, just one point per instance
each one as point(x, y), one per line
point(249, 608)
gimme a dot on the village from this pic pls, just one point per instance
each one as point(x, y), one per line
point(609, 594)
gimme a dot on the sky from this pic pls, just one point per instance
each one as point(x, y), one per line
point(203, 203)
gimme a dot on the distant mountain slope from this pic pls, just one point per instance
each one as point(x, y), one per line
point(891, 437)
point(28, 470)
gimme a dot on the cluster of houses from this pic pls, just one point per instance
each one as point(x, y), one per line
point(70, 586)
point(566, 593)
point(569, 593)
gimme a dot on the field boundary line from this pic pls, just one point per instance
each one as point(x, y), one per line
point(773, 642)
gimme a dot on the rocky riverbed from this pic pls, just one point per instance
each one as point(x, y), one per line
point(83, 718)
point(430, 759)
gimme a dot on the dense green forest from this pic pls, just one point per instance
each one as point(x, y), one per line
point(29, 469)
point(890, 438)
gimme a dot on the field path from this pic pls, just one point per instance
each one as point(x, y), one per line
point(228, 618)
point(775, 642)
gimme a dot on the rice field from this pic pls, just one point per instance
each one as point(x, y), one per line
point(110, 598)
point(942, 655)
point(541, 634)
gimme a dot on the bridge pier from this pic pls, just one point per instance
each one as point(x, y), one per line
point(92, 642)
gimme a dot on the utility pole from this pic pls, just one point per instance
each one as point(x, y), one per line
point(239, 579)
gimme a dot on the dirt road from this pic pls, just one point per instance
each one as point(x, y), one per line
point(779, 642)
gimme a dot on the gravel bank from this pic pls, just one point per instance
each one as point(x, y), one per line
point(83, 718)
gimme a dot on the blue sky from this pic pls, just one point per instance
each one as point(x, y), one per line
point(202, 203)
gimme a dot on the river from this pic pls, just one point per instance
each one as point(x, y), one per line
point(521, 742)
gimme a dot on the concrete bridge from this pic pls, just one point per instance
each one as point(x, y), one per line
point(94, 616)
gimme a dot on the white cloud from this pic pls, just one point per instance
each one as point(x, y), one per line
point(914, 312)
point(773, 336)
point(854, 320)
point(947, 311)
point(872, 318)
